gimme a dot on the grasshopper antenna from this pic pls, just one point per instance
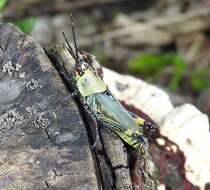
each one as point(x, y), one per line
point(68, 46)
point(74, 38)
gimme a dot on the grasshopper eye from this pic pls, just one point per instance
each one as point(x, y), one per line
point(83, 69)
point(74, 74)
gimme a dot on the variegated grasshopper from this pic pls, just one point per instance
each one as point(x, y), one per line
point(96, 98)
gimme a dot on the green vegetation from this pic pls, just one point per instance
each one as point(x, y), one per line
point(25, 24)
point(154, 64)
point(2, 4)
point(199, 79)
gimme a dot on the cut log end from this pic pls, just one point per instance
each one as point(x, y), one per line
point(50, 149)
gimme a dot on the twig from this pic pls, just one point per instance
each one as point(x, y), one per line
point(173, 24)
point(38, 7)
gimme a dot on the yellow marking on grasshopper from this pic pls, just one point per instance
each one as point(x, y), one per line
point(139, 121)
point(89, 84)
point(127, 137)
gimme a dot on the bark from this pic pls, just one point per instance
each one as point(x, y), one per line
point(58, 157)
point(49, 147)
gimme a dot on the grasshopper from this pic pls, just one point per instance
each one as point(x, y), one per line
point(96, 98)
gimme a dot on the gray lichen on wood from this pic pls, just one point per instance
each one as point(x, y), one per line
point(58, 157)
point(10, 120)
point(32, 84)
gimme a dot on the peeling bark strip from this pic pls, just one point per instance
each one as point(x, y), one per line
point(58, 157)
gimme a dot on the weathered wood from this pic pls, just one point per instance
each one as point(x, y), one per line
point(46, 148)
point(58, 157)
point(120, 167)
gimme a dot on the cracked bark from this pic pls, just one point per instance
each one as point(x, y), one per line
point(58, 157)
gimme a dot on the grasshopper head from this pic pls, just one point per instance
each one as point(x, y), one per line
point(80, 69)
point(73, 67)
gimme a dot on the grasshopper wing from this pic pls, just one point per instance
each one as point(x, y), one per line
point(113, 116)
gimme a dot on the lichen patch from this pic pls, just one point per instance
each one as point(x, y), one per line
point(10, 119)
point(10, 69)
point(32, 84)
point(41, 122)
point(37, 118)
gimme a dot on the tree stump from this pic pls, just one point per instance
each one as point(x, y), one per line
point(46, 150)
point(49, 147)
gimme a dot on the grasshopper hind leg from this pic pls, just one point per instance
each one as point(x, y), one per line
point(144, 123)
point(142, 143)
